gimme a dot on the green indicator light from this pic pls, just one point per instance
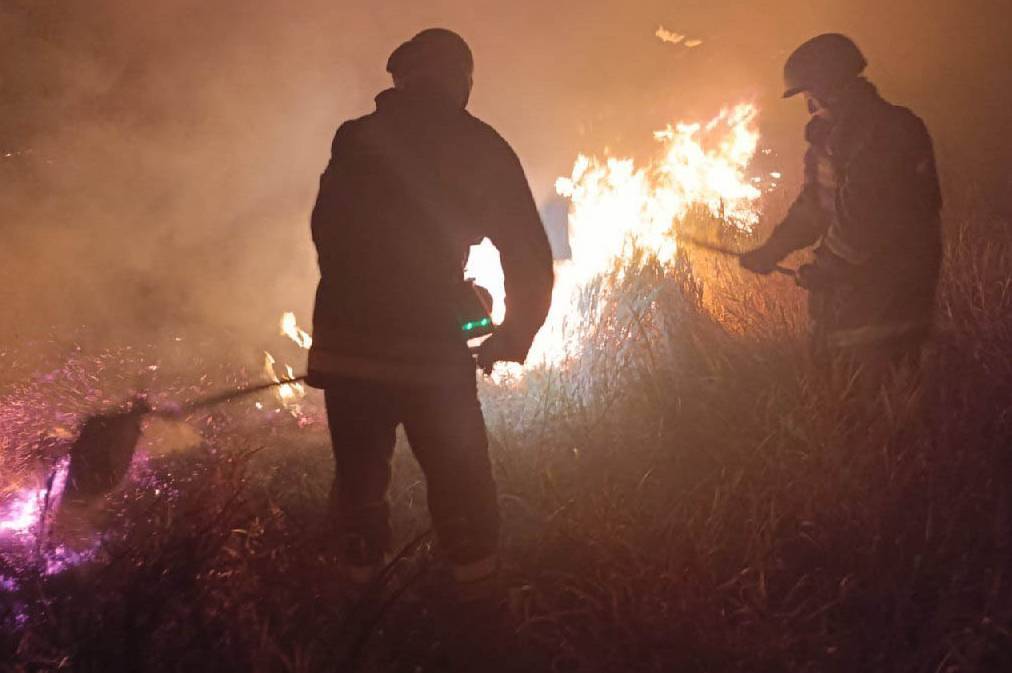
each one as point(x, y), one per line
point(485, 321)
point(468, 326)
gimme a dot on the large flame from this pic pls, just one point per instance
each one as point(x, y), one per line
point(617, 208)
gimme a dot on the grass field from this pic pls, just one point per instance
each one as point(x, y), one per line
point(689, 496)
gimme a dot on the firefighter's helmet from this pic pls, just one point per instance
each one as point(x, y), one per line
point(822, 64)
point(435, 51)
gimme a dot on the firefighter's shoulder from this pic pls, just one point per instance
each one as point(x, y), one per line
point(487, 139)
point(901, 127)
point(348, 132)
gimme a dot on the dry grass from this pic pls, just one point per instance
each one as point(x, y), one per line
point(690, 497)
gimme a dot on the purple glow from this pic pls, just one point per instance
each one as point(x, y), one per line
point(22, 514)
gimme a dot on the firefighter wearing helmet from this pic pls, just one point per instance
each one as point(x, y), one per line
point(408, 189)
point(870, 205)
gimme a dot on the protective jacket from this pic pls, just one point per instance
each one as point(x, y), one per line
point(409, 188)
point(871, 200)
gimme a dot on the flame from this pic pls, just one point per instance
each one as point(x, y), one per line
point(290, 329)
point(671, 37)
point(22, 514)
point(25, 520)
point(483, 265)
point(668, 36)
point(618, 207)
point(290, 392)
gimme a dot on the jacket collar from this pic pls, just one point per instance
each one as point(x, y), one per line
point(853, 119)
point(856, 101)
point(416, 102)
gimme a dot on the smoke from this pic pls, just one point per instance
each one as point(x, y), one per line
point(159, 160)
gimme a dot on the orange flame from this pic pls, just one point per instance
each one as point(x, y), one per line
point(289, 393)
point(617, 208)
point(290, 329)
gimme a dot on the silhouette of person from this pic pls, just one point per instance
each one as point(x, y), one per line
point(409, 188)
point(871, 202)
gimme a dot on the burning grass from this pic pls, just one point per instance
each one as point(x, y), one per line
point(686, 495)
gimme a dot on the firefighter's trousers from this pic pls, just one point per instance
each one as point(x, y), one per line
point(446, 431)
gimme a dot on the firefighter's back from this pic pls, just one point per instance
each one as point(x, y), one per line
point(399, 207)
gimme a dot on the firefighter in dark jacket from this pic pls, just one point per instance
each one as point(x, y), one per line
point(871, 203)
point(408, 189)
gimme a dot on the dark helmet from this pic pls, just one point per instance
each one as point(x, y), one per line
point(822, 64)
point(435, 52)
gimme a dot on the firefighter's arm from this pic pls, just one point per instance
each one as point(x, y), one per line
point(517, 232)
point(327, 206)
point(804, 223)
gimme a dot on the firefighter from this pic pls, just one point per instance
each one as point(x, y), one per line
point(870, 204)
point(407, 190)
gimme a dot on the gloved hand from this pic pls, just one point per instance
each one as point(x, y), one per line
point(813, 277)
point(498, 347)
point(762, 260)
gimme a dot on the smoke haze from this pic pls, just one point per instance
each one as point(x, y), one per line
point(159, 160)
